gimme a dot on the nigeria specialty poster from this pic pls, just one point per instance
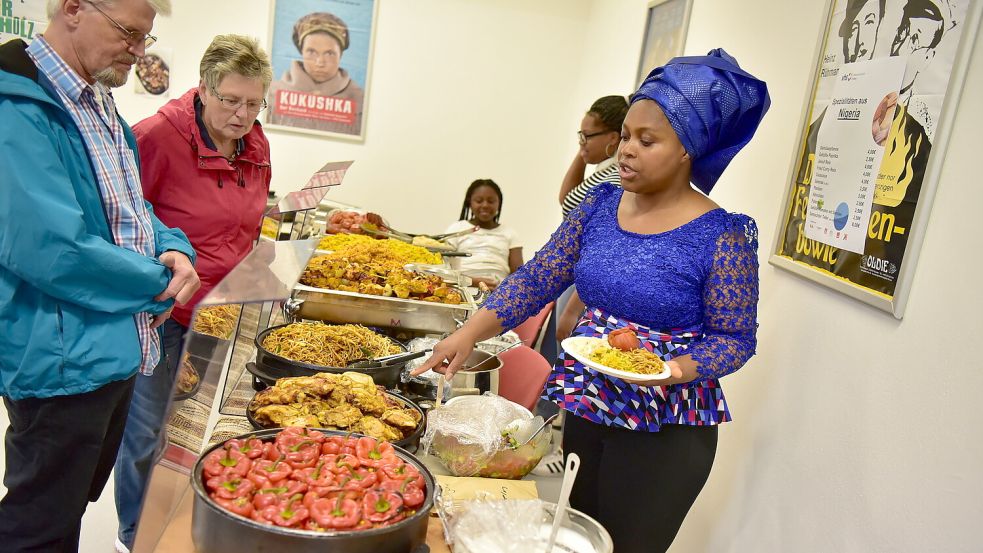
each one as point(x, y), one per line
point(881, 84)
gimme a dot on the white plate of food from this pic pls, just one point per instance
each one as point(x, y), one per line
point(598, 354)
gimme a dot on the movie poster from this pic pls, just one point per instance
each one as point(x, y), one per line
point(321, 56)
point(23, 19)
point(881, 83)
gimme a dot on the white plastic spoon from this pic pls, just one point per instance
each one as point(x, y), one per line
point(569, 475)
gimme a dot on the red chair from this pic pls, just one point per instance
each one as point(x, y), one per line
point(531, 330)
point(523, 375)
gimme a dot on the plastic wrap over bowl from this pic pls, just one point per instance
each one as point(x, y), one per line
point(471, 437)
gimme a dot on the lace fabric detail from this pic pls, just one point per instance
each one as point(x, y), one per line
point(730, 302)
point(703, 274)
point(543, 278)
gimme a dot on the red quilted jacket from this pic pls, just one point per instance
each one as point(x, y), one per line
point(218, 204)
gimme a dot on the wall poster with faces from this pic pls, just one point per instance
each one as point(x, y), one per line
point(886, 87)
point(321, 55)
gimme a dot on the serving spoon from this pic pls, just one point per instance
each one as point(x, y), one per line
point(569, 475)
point(546, 423)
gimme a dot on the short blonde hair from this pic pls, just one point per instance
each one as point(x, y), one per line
point(163, 7)
point(228, 54)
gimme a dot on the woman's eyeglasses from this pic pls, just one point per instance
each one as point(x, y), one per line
point(583, 138)
point(233, 104)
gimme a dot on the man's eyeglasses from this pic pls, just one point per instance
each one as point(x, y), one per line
point(132, 38)
point(582, 138)
point(252, 106)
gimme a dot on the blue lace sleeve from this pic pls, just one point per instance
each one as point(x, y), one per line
point(730, 302)
point(543, 278)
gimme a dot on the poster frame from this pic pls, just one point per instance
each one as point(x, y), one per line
point(367, 87)
point(897, 303)
point(653, 5)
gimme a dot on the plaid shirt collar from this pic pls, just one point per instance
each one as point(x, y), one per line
point(59, 72)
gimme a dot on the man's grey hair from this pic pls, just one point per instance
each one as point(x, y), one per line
point(162, 7)
point(242, 55)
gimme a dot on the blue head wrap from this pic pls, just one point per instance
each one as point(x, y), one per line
point(713, 105)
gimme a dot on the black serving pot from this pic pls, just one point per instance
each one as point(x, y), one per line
point(215, 530)
point(411, 442)
point(270, 366)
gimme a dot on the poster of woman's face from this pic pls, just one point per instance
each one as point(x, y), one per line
point(321, 56)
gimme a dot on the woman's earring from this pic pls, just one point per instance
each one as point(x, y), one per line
point(609, 154)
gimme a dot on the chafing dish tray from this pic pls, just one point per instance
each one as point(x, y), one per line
point(351, 307)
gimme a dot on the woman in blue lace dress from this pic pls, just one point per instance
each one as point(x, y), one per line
point(662, 258)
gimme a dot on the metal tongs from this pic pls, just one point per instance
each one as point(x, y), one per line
point(407, 237)
point(374, 230)
point(387, 361)
point(447, 235)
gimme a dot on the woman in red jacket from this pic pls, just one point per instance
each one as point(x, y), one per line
point(205, 166)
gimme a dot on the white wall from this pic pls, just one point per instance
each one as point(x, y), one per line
point(460, 90)
point(853, 431)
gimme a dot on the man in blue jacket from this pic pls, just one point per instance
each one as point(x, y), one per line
point(87, 273)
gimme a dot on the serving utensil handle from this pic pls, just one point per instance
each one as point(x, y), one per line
point(569, 475)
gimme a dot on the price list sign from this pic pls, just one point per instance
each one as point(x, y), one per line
point(849, 150)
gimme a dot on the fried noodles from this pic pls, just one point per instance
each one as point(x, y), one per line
point(217, 320)
point(327, 345)
point(640, 361)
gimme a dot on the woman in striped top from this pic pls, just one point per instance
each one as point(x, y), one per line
point(599, 134)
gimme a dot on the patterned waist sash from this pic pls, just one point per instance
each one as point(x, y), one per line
point(611, 401)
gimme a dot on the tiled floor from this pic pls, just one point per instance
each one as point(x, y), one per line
point(99, 523)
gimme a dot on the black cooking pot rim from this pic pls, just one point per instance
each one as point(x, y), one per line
point(422, 511)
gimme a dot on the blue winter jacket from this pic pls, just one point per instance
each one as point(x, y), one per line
point(67, 292)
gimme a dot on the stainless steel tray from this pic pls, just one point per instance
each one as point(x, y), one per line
point(351, 307)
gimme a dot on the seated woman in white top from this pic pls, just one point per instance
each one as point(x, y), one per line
point(494, 248)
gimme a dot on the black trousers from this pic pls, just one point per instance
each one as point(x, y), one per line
point(59, 452)
point(638, 485)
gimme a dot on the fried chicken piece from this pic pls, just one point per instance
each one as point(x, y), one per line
point(342, 392)
point(285, 415)
point(369, 399)
point(419, 286)
point(404, 419)
point(371, 426)
point(371, 288)
point(358, 379)
point(342, 416)
point(401, 291)
point(297, 389)
point(447, 294)
point(320, 384)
